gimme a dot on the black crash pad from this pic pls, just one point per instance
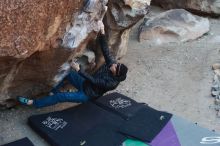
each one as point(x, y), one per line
point(119, 104)
point(142, 122)
point(107, 121)
point(146, 124)
point(21, 142)
point(85, 124)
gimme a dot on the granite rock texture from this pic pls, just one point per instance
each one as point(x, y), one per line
point(176, 25)
point(40, 37)
point(32, 42)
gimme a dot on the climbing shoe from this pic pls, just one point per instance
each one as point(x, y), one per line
point(23, 100)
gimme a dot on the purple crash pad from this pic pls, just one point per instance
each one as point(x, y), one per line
point(167, 137)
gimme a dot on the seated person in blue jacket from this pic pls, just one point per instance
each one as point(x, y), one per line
point(89, 87)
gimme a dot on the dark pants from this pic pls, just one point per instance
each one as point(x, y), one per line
point(79, 96)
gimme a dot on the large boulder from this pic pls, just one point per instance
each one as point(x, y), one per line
point(40, 37)
point(34, 41)
point(120, 17)
point(176, 25)
point(211, 7)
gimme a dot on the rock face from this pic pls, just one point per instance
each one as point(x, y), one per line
point(31, 32)
point(199, 6)
point(39, 37)
point(175, 25)
point(120, 17)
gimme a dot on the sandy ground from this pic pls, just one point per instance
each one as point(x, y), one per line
point(172, 77)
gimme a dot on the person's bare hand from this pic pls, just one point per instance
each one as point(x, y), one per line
point(101, 26)
point(75, 66)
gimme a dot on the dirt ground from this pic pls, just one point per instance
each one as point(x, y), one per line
point(174, 77)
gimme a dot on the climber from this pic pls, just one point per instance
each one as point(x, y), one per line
point(90, 87)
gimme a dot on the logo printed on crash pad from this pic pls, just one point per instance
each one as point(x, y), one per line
point(210, 140)
point(120, 103)
point(54, 123)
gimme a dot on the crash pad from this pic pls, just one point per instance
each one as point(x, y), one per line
point(119, 104)
point(142, 122)
point(131, 142)
point(167, 137)
point(97, 123)
point(22, 142)
point(86, 123)
point(191, 134)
